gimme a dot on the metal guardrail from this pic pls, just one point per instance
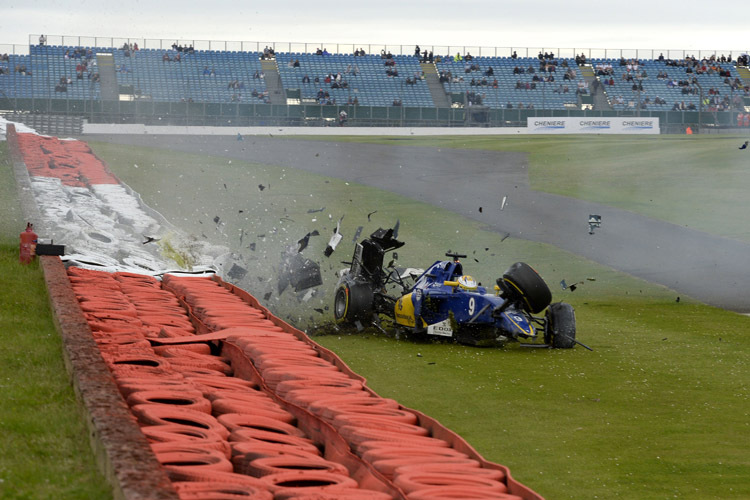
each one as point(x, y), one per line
point(370, 48)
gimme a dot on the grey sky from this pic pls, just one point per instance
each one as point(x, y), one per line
point(636, 24)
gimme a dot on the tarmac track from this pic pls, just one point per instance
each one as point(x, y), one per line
point(708, 268)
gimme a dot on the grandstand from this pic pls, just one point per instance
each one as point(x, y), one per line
point(106, 82)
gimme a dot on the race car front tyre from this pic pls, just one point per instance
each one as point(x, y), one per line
point(560, 331)
point(525, 285)
point(353, 302)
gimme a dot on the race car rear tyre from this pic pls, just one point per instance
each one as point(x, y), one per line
point(525, 285)
point(353, 302)
point(560, 331)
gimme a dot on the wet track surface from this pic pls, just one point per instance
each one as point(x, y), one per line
point(709, 268)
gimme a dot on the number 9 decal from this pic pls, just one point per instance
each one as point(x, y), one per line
point(471, 306)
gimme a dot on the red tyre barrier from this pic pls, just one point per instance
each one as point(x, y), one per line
point(380, 439)
point(213, 490)
point(128, 385)
point(377, 422)
point(460, 493)
point(389, 466)
point(205, 460)
point(323, 384)
point(192, 400)
point(153, 414)
point(393, 414)
point(288, 482)
point(415, 481)
point(453, 468)
point(255, 437)
point(274, 465)
point(260, 408)
point(325, 407)
point(305, 397)
point(234, 421)
point(339, 494)
point(185, 435)
point(245, 451)
point(175, 351)
point(208, 447)
point(386, 451)
point(212, 476)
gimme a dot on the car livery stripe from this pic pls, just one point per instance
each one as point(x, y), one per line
point(519, 291)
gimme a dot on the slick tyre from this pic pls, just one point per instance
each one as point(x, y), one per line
point(353, 302)
point(560, 331)
point(525, 285)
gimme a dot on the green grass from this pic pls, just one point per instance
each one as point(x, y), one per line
point(659, 409)
point(45, 442)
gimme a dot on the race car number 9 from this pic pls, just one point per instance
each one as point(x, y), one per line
point(471, 305)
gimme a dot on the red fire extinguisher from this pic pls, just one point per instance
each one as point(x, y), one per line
point(28, 244)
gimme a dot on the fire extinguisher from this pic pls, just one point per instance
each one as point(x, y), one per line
point(28, 244)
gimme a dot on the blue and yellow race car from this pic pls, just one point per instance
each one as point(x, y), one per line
point(442, 301)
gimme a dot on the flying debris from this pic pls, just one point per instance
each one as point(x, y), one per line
point(217, 220)
point(317, 154)
point(150, 239)
point(335, 239)
point(236, 272)
point(744, 145)
point(505, 237)
point(267, 295)
point(594, 222)
point(318, 310)
point(505, 200)
point(225, 185)
point(571, 287)
point(395, 228)
point(480, 210)
point(242, 235)
point(371, 213)
point(251, 246)
point(239, 136)
point(240, 211)
point(297, 271)
point(305, 240)
point(315, 210)
point(357, 233)
point(261, 187)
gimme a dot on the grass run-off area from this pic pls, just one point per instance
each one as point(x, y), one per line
point(659, 409)
point(45, 443)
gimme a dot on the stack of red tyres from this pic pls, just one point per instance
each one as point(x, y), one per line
point(217, 436)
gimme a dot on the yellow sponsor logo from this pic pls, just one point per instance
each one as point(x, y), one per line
point(404, 311)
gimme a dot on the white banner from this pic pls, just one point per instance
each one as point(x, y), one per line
point(613, 125)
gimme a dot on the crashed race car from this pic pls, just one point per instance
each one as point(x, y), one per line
point(444, 302)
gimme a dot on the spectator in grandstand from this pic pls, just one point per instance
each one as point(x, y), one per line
point(458, 57)
point(42, 40)
point(489, 71)
point(397, 102)
point(540, 56)
point(305, 79)
point(165, 58)
point(514, 55)
point(417, 51)
point(508, 105)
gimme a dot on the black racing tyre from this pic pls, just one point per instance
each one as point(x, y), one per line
point(560, 331)
point(525, 285)
point(353, 301)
